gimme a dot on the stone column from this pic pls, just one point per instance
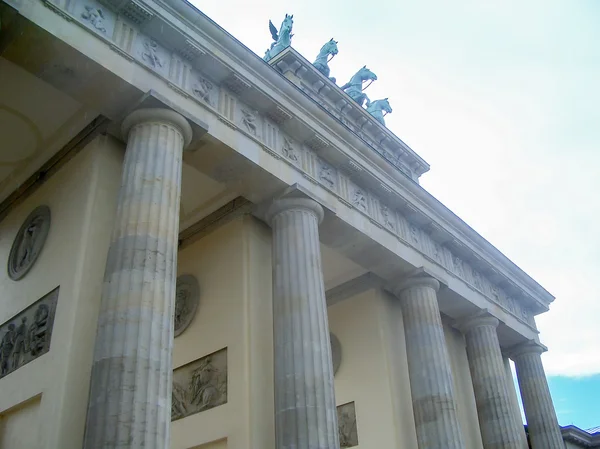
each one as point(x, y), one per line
point(431, 382)
point(544, 431)
point(305, 411)
point(495, 411)
point(130, 392)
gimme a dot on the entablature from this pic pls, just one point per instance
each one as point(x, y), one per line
point(335, 101)
point(200, 61)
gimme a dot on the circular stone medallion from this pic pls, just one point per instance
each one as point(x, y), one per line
point(187, 296)
point(336, 352)
point(28, 243)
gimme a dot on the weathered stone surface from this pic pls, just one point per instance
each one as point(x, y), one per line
point(495, 412)
point(542, 424)
point(27, 336)
point(305, 412)
point(346, 414)
point(130, 392)
point(200, 385)
point(431, 382)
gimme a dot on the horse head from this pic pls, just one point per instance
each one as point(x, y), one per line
point(366, 75)
point(385, 105)
point(330, 47)
point(287, 24)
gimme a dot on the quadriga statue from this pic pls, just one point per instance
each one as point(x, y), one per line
point(322, 61)
point(282, 39)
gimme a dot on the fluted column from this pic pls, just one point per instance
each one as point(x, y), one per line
point(429, 369)
point(130, 394)
point(495, 411)
point(305, 411)
point(542, 424)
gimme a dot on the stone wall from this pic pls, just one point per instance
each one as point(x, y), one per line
point(43, 402)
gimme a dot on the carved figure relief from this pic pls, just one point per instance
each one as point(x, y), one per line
point(437, 252)
point(95, 17)
point(187, 296)
point(359, 199)
point(200, 385)
point(414, 234)
point(150, 53)
point(336, 352)
point(28, 243)
point(249, 121)
point(458, 266)
point(387, 218)
point(289, 150)
point(477, 282)
point(326, 175)
point(27, 335)
point(202, 89)
point(348, 430)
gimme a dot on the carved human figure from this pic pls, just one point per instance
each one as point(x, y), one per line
point(27, 243)
point(249, 121)
point(326, 175)
point(181, 307)
point(414, 234)
point(288, 150)
point(6, 348)
point(179, 399)
point(21, 342)
point(38, 330)
point(347, 425)
point(150, 54)
point(359, 199)
point(386, 214)
point(202, 90)
point(203, 391)
point(95, 16)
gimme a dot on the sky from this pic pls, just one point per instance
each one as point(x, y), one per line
point(502, 99)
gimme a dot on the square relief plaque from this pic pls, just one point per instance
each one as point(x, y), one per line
point(200, 385)
point(26, 336)
point(347, 425)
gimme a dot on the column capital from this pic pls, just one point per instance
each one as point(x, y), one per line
point(528, 347)
point(285, 204)
point(158, 115)
point(416, 281)
point(482, 318)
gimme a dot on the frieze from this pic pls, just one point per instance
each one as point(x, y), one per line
point(149, 52)
point(348, 430)
point(199, 385)
point(27, 335)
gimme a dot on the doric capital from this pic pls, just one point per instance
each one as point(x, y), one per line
point(482, 318)
point(286, 204)
point(159, 115)
point(416, 281)
point(528, 347)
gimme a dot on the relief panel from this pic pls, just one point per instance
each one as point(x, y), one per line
point(96, 17)
point(200, 385)
point(152, 54)
point(347, 425)
point(27, 336)
point(202, 89)
point(326, 174)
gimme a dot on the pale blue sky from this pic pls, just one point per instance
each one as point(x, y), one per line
point(502, 99)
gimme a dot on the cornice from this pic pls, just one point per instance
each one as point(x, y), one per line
point(359, 178)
